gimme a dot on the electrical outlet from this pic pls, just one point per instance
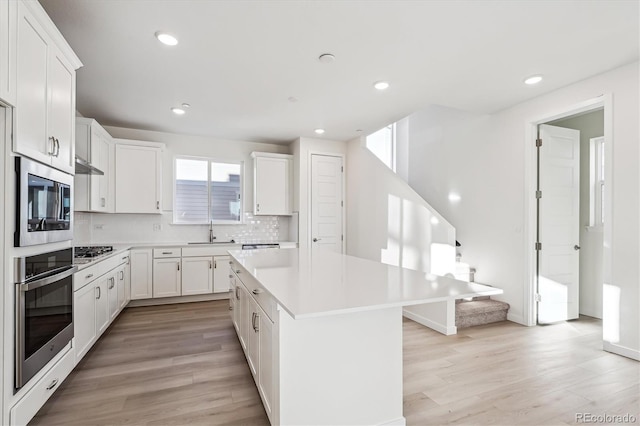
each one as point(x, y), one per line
point(157, 227)
point(98, 226)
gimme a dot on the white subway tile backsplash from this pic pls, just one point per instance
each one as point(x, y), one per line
point(98, 228)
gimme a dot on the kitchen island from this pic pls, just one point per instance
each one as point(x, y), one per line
point(322, 332)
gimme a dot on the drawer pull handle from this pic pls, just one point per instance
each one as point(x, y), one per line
point(237, 271)
point(88, 276)
point(257, 291)
point(167, 252)
point(53, 384)
point(125, 258)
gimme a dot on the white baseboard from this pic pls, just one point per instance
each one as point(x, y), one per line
point(400, 421)
point(517, 319)
point(178, 299)
point(440, 328)
point(590, 313)
point(621, 350)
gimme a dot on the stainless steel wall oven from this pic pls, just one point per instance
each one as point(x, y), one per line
point(44, 204)
point(44, 311)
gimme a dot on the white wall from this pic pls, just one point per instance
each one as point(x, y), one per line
point(302, 149)
point(389, 222)
point(590, 125)
point(483, 159)
point(139, 228)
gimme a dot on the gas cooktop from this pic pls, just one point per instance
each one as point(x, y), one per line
point(91, 252)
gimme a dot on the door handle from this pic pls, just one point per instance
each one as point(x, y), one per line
point(57, 147)
point(99, 292)
point(53, 146)
point(315, 240)
point(576, 247)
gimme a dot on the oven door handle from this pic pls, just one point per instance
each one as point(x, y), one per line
point(48, 280)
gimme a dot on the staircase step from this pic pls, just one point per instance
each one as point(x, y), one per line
point(480, 312)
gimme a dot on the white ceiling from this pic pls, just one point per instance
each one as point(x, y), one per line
point(239, 62)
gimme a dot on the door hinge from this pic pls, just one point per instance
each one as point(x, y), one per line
point(538, 142)
point(538, 246)
point(538, 194)
point(537, 297)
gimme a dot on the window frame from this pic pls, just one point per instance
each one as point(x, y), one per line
point(393, 148)
point(209, 161)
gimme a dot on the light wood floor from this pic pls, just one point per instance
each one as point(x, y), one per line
point(182, 364)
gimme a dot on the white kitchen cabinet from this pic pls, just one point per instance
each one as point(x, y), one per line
point(197, 275)
point(102, 304)
point(84, 324)
point(138, 178)
point(45, 91)
point(141, 263)
point(234, 308)
point(272, 184)
point(94, 192)
point(122, 282)
point(256, 334)
point(167, 277)
point(8, 22)
point(221, 274)
point(112, 289)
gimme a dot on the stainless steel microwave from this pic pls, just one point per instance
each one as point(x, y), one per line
point(44, 211)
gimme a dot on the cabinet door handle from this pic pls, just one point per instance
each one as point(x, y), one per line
point(53, 146)
point(230, 276)
point(256, 327)
point(178, 265)
point(88, 276)
point(57, 147)
point(157, 205)
point(122, 275)
point(167, 252)
point(53, 384)
point(237, 271)
point(237, 295)
point(257, 207)
point(253, 321)
point(103, 202)
point(257, 291)
point(209, 264)
point(99, 292)
point(215, 265)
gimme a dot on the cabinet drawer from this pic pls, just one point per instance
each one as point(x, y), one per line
point(159, 253)
point(255, 289)
point(28, 406)
point(85, 276)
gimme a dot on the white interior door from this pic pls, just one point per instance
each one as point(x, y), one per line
point(559, 225)
point(326, 203)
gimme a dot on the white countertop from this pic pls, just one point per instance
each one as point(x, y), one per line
point(325, 283)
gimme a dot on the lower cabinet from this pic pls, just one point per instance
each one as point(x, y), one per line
point(197, 275)
point(256, 334)
point(167, 277)
point(102, 304)
point(98, 302)
point(220, 274)
point(141, 273)
point(84, 324)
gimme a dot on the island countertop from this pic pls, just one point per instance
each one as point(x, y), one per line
point(324, 283)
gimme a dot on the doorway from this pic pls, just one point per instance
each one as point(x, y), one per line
point(568, 262)
point(327, 203)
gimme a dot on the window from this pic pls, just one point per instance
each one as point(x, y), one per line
point(596, 178)
point(206, 191)
point(383, 145)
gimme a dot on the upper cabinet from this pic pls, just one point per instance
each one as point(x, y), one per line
point(45, 90)
point(8, 21)
point(93, 191)
point(138, 177)
point(272, 184)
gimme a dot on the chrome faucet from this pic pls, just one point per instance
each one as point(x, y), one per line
point(211, 236)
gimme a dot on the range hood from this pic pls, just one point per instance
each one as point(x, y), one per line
point(84, 168)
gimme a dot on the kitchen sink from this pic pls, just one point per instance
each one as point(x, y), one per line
point(207, 243)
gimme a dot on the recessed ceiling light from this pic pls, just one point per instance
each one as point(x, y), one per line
point(166, 38)
point(534, 79)
point(178, 111)
point(326, 58)
point(381, 85)
point(319, 131)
